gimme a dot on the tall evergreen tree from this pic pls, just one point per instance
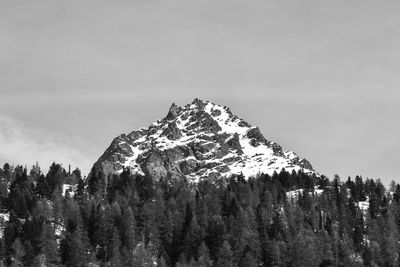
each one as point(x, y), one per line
point(225, 256)
point(116, 259)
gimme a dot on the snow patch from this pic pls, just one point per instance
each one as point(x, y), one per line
point(68, 188)
point(4, 218)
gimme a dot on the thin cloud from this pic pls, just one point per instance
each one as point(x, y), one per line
point(26, 145)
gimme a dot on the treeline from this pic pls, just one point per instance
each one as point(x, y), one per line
point(61, 219)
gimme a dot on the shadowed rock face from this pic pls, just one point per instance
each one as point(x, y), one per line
point(173, 112)
point(172, 132)
point(153, 165)
point(198, 141)
point(234, 143)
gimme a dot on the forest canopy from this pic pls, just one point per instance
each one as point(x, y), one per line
point(60, 218)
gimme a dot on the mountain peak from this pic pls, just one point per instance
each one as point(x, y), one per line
point(173, 111)
point(198, 141)
point(198, 101)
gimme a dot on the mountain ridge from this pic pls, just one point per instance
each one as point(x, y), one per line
point(199, 140)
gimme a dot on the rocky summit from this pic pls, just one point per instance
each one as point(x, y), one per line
point(201, 140)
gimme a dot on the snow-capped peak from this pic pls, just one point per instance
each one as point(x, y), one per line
point(197, 141)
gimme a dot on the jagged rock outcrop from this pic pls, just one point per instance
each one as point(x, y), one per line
point(198, 141)
point(173, 112)
point(172, 132)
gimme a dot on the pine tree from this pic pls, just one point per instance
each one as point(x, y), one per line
point(96, 181)
point(116, 259)
point(40, 261)
point(225, 256)
point(273, 254)
point(345, 250)
point(215, 233)
point(75, 249)
point(17, 201)
point(142, 256)
point(78, 250)
point(128, 229)
point(192, 239)
point(80, 191)
point(18, 253)
point(388, 240)
point(303, 250)
point(396, 193)
point(55, 177)
point(161, 262)
point(49, 246)
point(248, 260)
point(42, 187)
point(102, 236)
point(204, 259)
point(325, 245)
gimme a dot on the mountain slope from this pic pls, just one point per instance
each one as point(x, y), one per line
point(198, 140)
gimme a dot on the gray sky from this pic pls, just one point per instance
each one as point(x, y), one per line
point(319, 77)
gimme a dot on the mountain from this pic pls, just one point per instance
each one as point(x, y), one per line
point(197, 141)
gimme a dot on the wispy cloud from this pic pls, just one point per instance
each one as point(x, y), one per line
point(23, 144)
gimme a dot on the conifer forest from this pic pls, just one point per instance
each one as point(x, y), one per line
point(60, 218)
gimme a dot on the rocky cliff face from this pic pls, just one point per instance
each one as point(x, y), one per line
point(199, 141)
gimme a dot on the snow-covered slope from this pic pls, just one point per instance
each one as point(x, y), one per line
point(198, 140)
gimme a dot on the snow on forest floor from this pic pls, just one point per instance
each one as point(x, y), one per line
point(4, 217)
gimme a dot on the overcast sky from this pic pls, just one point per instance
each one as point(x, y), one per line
point(321, 78)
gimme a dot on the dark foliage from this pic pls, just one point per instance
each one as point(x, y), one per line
point(287, 219)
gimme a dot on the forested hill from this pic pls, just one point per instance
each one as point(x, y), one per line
point(287, 219)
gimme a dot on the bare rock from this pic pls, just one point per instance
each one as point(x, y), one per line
point(305, 164)
point(223, 169)
point(277, 149)
point(188, 166)
point(172, 132)
point(234, 143)
point(172, 156)
point(154, 167)
point(216, 113)
point(254, 142)
point(210, 124)
point(173, 112)
point(255, 133)
point(199, 103)
point(231, 160)
point(136, 134)
point(243, 123)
